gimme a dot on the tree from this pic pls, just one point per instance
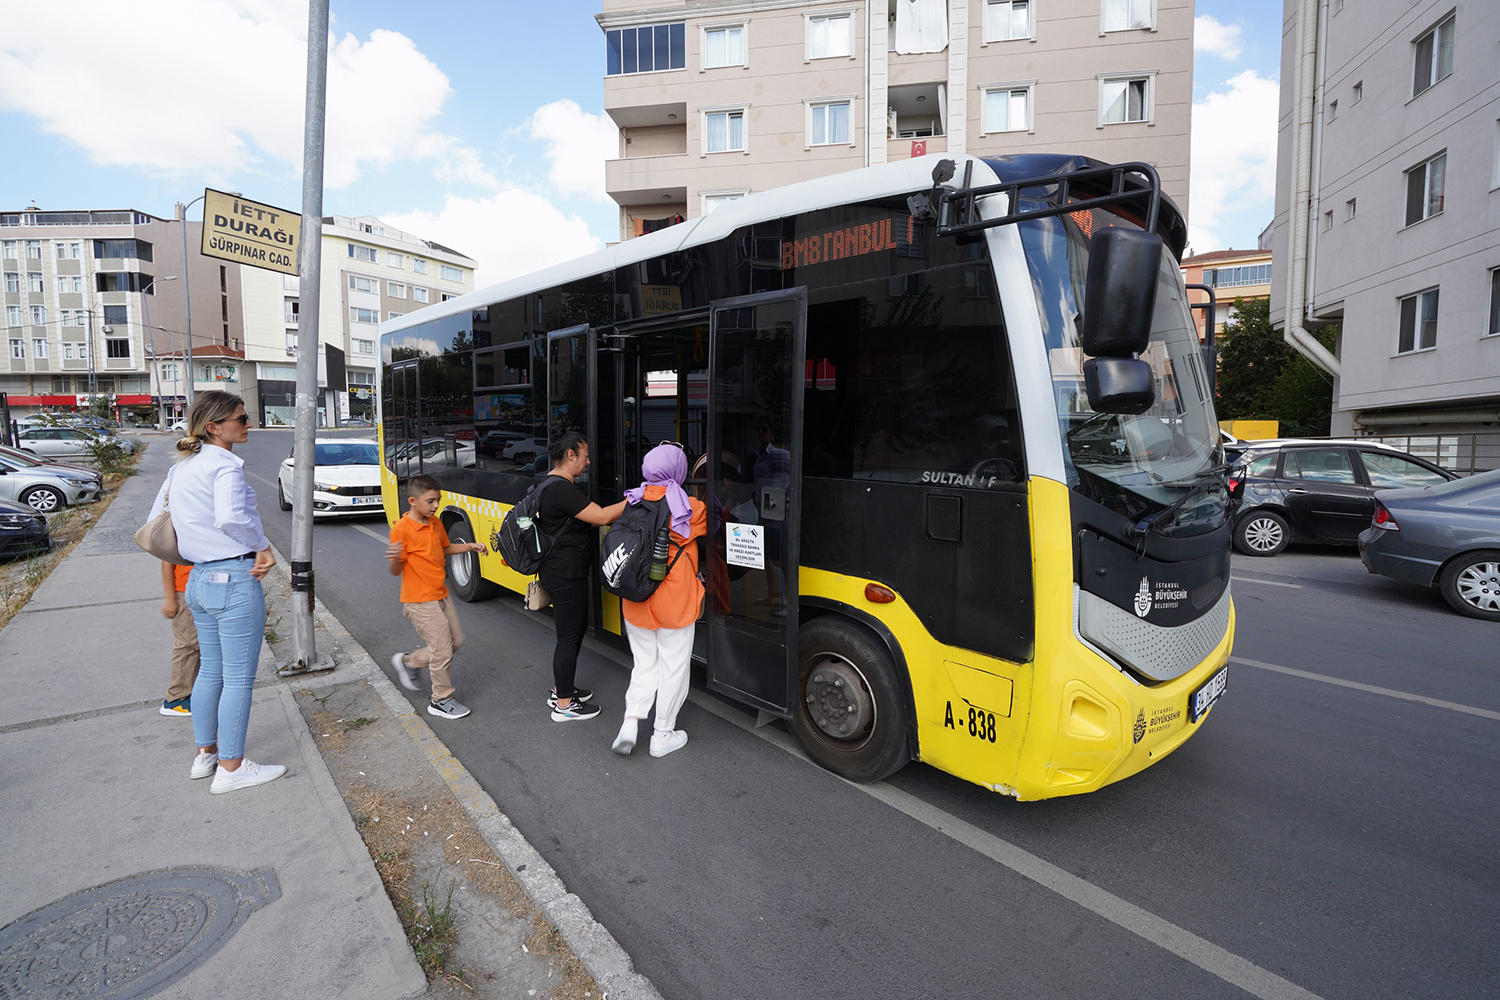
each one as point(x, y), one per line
point(1261, 378)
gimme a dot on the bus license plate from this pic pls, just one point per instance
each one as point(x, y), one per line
point(1204, 698)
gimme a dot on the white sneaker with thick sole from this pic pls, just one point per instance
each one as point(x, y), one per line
point(247, 775)
point(406, 675)
point(204, 765)
point(669, 742)
point(625, 742)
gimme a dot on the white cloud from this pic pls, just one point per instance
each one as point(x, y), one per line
point(578, 143)
point(1210, 36)
point(1233, 156)
point(509, 234)
point(216, 87)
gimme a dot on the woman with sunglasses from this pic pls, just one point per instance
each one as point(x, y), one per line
point(219, 531)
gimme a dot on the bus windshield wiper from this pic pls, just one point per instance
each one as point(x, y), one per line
point(1140, 529)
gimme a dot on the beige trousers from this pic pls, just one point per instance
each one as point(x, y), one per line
point(437, 625)
point(184, 652)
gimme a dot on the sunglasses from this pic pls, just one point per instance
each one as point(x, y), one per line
point(243, 420)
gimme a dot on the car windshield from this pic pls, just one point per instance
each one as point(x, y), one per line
point(346, 453)
point(1136, 464)
point(16, 458)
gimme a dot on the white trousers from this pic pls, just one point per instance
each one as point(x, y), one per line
point(663, 658)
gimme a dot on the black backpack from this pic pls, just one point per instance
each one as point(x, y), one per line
point(625, 552)
point(520, 540)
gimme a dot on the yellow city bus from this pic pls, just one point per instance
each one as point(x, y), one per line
point(954, 430)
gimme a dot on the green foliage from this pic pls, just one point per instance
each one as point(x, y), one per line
point(1261, 378)
point(429, 928)
point(109, 454)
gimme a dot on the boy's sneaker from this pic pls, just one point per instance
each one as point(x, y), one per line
point(204, 764)
point(247, 775)
point(579, 694)
point(576, 711)
point(406, 675)
point(447, 708)
point(182, 707)
point(665, 743)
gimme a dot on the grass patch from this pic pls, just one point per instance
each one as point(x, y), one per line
point(429, 928)
point(271, 635)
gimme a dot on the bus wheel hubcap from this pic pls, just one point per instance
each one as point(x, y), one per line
point(461, 570)
point(838, 699)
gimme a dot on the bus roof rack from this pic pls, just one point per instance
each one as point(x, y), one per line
point(955, 213)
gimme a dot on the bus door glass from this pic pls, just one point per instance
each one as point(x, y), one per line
point(402, 442)
point(755, 388)
point(570, 374)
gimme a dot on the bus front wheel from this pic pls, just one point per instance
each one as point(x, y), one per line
point(468, 585)
point(851, 715)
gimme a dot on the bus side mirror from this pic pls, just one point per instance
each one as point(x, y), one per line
point(1119, 385)
point(1120, 296)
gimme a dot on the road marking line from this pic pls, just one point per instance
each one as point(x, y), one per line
point(382, 539)
point(1454, 706)
point(1268, 583)
point(269, 482)
point(1205, 954)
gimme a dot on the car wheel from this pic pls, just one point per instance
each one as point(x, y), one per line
point(1262, 533)
point(468, 585)
point(44, 499)
point(1471, 584)
point(851, 714)
point(281, 497)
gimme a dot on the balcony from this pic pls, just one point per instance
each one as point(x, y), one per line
point(649, 180)
point(902, 149)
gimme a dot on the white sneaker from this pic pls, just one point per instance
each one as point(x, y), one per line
point(249, 773)
point(204, 764)
point(406, 675)
point(625, 742)
point(663, 743)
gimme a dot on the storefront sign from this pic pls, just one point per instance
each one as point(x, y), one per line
point(250, 233)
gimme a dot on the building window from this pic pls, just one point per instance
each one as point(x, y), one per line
point(1333, 110)
point(1327, 220)
point(1124, 15)
point(446, 297)
point(1351, 208)
point(17, 348)
point(362, 253)
point(357, 315)
point(70, 283)
point(450, 273)
point(395, 289)
point(15, 316)
point(1124, 99)
point(38, 315)
point(117, 347)
point(34, 249)
point(1432, 56)
point(713, 201)
point(65, 317)
point(362, 378)
point(1007, 19)
point(1494, 329)
point(115, 316)
point(392, 315)
point(71, 250)
point(651, 48)
point(828, 124)
point(34, 281)
point(395, 259)
point(38, 348)
point(10, 249)
point(724, 131)
point(1424, 189)
point(364, 347)
point(1007, 109)
point(418, 294)
point(12, 282)
point(1419, 319)
point(830, 36)
point(418, 265)
point(1359, 92)
point(724, 46)
point(1231, 277)
point(122, 250)
point(359, 284)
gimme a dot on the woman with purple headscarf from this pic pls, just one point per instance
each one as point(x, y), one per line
point(660, 628)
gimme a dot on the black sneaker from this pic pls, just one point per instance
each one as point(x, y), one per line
point(576, 711)
point(579, 694)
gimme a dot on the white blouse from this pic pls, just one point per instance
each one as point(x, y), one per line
point(213, 506)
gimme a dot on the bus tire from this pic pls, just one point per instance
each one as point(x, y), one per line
point(463, 569)
point(846, 680)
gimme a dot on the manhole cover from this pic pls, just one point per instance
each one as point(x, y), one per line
point(128, 938)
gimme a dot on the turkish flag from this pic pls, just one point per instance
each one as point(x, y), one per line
point(919, 147)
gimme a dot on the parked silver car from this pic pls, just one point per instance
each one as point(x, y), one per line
point(62, 442)
point(43, 486)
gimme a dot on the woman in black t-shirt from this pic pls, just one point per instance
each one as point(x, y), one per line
point(572, 520)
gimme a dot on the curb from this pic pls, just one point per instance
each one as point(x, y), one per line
point(591, 942)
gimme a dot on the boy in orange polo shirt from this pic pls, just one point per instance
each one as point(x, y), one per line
point(417, 554)
point(179, 701)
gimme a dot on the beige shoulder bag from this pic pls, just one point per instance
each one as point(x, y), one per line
point(157, 536)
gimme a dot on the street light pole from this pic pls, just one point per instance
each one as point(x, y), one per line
point(187, 298)
point(146, 315)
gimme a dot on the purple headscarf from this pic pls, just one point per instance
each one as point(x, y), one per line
point(666, 465)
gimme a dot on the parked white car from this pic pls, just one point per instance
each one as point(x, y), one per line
point(63, 442)
point(346, 478)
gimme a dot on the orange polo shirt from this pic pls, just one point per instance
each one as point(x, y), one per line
point(179, 577)
point(676, 600)
point(424, 570)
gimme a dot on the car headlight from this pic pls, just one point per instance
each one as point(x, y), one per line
point(17, 521)
point(325, 487)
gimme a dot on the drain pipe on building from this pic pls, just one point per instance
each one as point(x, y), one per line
point(1294, 330)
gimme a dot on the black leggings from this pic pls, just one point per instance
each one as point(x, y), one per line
point(570, 612)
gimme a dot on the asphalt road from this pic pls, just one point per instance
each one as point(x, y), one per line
point(1317, 839)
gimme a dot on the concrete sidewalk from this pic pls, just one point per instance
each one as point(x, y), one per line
point(266, 892)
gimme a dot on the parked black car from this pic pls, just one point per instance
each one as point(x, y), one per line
point(23, 531)
point(1446, 535)
point(1317, 491)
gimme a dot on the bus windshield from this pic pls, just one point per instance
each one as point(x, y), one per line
point(1137, 465)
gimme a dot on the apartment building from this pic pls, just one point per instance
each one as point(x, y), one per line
point(718, 98)
point(94, 305)
point(1232, 274)
point(1388, 212)
point(370, 272)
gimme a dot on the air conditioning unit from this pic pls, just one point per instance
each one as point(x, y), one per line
point(107, 328)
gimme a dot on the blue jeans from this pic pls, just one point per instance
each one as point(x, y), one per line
point(229, 608)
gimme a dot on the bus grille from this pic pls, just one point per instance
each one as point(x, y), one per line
point(1156, 652)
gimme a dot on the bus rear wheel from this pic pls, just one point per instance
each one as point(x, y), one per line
point(851, 715)
point(468, 585)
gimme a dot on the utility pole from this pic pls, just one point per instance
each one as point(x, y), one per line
point(310, 261)
point(187, 298)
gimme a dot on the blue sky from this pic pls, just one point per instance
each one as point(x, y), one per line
point(469, 123)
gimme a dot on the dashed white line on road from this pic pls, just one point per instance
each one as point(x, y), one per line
point(1451, 706)
point(1268, 583)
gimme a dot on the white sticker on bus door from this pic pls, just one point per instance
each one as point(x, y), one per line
point(745, 545)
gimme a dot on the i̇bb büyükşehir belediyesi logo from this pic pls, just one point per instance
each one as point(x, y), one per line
point(1143, 598)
